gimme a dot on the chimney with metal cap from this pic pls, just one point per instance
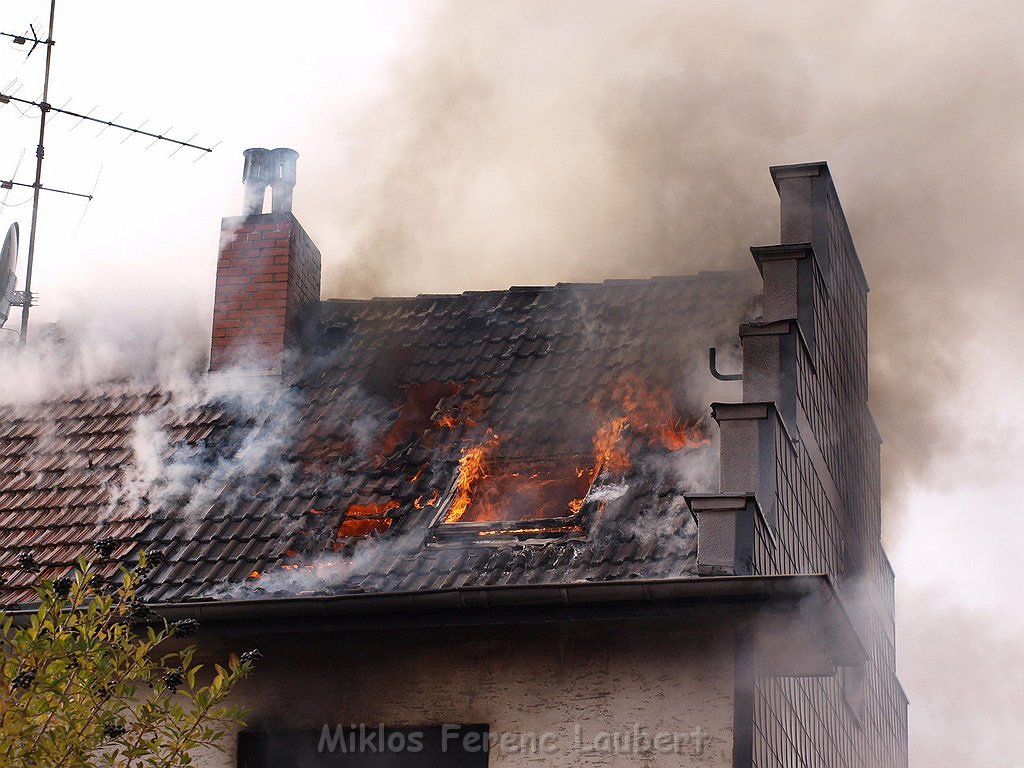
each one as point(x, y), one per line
point(274, 168)
point(255, 176)
point(268, 273)
point(282, 178)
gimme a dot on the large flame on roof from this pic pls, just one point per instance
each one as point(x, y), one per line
point(639, 411)
point(633, 414)
point(472, 469)
point(631, 417)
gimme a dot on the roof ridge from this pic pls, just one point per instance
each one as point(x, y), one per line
point(609, 282)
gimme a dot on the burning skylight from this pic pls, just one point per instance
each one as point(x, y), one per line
point(477, 467)
point(490, 487)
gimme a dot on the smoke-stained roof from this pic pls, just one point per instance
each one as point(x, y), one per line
point(245, 493)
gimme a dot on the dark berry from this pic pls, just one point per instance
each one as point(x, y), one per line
point(104, 692)
point(185, 627)
point(173, 678)
point(155, 557)
point(139, 611)
point(113, 730)
point(27, 563)
point(23, 679)
point(62, 586)
point(251, 656)
point(134, 612)
point(105, 546)
point(97, 582)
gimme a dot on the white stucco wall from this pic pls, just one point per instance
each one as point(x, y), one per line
point(571, 682)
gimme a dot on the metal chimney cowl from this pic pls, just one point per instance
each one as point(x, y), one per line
point(275, 168)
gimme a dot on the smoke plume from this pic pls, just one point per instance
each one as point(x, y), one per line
point(535, 142)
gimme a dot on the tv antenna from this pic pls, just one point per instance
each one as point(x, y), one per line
point(24, 299)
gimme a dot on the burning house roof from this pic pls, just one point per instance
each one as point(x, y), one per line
point(535, 435)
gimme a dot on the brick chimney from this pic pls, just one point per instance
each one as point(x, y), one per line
point(268, 273)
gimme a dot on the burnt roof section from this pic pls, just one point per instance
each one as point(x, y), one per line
point(231, 486)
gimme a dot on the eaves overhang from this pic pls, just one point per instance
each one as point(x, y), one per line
point(795, 611)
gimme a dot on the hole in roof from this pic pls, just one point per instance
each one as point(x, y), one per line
point(475, 321)
point(503, 485)
point(334, 336)
point(495, 495)
point(493, 489)
point(417, 414)
point(361, 520)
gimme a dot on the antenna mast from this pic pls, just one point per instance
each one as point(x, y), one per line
point(44, 107)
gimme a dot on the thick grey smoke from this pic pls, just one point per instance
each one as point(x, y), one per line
point(533, 142)
point(135, 344)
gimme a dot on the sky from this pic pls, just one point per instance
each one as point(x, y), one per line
point(447, 146)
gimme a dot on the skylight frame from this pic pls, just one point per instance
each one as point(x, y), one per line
point(502, 531)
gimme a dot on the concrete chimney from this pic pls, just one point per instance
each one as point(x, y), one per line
point(268, 273)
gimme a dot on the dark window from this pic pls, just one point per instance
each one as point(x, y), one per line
point(451, 746)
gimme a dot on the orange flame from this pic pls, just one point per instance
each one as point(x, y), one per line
point(472, 467)
point(373, 509)
point(489, 488)
point(363, 526)
point(364, 519)
point(420, 502)
point(650, 414)
point(632, 412)
point(609, 452)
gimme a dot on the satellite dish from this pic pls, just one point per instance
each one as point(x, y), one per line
point(8, 263)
